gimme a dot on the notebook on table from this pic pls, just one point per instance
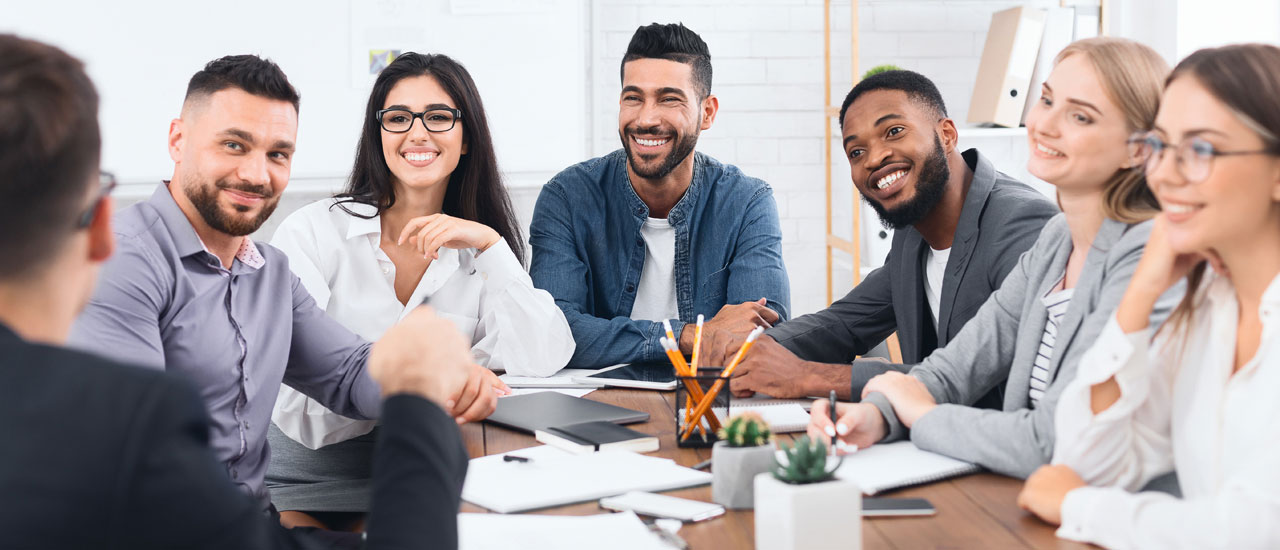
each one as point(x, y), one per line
point(536, 411)
point(900, 464)
point(589, 437)
point(782, 417)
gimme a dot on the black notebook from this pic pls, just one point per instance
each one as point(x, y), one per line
point(537, 411)
point(587, 437)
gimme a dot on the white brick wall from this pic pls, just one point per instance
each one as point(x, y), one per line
point(767, 56)
point(768, 73)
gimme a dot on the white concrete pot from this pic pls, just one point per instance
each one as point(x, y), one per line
point(733, 473)
point(812, 516)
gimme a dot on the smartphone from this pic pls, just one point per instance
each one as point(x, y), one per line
point(876, 507)
point(662, 506)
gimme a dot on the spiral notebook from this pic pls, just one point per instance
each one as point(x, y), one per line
point(888, 466)
point(782, 416)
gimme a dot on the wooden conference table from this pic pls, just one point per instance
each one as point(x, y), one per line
point(976, 511)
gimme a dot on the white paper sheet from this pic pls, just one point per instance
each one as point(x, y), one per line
point(621, 531)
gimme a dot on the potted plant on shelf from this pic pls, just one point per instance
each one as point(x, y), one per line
point(800, 504)
point(745, 449)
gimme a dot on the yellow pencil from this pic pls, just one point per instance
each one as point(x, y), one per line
point(697, 345)
point(705, 404)
point(694, 390)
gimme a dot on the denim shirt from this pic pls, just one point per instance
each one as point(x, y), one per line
point(588, 253)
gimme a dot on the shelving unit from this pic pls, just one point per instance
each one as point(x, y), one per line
point(852, 246)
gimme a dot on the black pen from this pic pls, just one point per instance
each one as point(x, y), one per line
point(514, 458)
point(833, 421)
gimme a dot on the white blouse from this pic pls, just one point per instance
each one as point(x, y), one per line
point(511, 325)
point(1180, 408)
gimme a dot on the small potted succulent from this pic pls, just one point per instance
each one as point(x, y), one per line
point(800, 504)
point(745, 449)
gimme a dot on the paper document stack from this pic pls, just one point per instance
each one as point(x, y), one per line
point(553, 477)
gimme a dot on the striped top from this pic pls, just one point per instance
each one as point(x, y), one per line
point(1056, 304)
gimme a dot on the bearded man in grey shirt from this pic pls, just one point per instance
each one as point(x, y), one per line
point(189, 291)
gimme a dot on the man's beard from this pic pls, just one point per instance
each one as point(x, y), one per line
point(931, 184)
point(204, 197)
point(681, 150)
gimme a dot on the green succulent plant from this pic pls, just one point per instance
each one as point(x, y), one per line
point(806, 462)
point(880, 69)
point(747, 429)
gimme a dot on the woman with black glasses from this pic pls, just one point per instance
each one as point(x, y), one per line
point(424, 215)
point(1198, 395)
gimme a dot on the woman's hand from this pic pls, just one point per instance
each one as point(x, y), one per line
point(1159, 269)
point(1046, 489)
point(908, 395)
point(858, 425)
point(429, 233)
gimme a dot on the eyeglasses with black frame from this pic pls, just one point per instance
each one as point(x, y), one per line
point(106, 183)
point(1193, 157)
point(399, 121)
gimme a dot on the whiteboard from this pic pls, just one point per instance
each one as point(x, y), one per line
point(526, 57)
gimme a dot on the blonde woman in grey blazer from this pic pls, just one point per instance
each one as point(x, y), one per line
point(1034, 329)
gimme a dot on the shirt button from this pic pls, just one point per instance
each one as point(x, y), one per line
point(386, 271)
point(235, 474)
point(639, 242)
point(631, 288)
point(246, 424)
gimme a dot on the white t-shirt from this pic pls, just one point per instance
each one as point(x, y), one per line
point(656, 297)
point(935, 266)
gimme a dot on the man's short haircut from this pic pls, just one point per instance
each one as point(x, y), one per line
point(49, 149)
point(673, 42)
point(917, 86)
point(253, 74)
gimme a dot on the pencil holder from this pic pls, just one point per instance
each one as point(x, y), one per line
point(686, 402)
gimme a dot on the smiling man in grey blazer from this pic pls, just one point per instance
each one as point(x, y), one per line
point(959, 228)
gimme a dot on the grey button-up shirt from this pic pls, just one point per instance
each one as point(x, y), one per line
point(165, 301)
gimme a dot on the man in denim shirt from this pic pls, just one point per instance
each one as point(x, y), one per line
point(655, 231)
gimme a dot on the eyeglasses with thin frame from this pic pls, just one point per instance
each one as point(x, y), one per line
point(1193, 157)
point(399, 121)
point(106, 183)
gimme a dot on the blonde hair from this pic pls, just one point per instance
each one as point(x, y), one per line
point(1132, 76)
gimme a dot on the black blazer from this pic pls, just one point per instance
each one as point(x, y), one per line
point(1000, 220)
point(95, 454)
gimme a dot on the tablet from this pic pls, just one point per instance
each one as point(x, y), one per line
point(645, 376)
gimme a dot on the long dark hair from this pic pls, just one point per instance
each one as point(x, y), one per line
point(475, 190)
point(1246, 79)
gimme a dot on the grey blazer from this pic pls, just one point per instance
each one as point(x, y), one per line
point(1002, 340)
point(1000, 220)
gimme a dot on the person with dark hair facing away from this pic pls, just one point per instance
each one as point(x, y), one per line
point(190, 292)
point(424, 214)
point(100, 454)
point(656, 231)
point(959, 227)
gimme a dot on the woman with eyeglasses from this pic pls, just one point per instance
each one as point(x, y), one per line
point(1200, 395)
point(424, 216)
point(1029, 336)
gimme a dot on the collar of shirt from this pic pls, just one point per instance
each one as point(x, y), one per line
point(186, 239)
point(370, 229)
